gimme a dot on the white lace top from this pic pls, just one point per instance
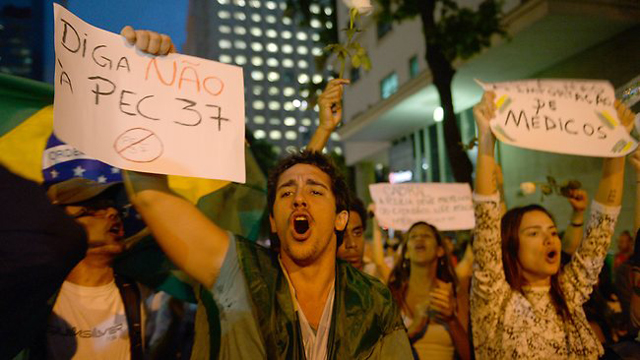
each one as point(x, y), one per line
point(511, 325)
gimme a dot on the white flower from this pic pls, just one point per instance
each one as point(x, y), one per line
point(364, 7)
point(528, 188)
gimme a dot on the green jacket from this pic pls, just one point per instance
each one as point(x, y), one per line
point(364, 311)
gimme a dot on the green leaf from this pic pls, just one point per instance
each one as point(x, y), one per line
point(366, 62)
point(355, 61)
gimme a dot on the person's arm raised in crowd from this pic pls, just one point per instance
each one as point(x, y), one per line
point(330, 104)
point(581, 273)
point(578, 200)
point(377, 248)
point(500, 184)
point(634, 159)
point(484, 111)
point(194, 243)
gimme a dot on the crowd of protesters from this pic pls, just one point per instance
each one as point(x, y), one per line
point(515, 290)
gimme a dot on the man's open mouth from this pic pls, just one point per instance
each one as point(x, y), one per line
point(301, 224)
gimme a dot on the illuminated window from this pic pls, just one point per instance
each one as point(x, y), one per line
point(290, 135)
point(304, 93)
point(257, 75)
point(223, 14)
point(316, 24)
point(241, 60)
point(256, 60)
point(329, 25)
point(240, 3)
point(291, 149)
point(225, 58)
point(271, 33)
point(258, 105)
point(288, 63)
point(287, 49)
point(257, 90)
point(303, 64)
point(306, 122)
point(316, 51)
point(274, 105)
point(273, 76)
point(338, 150)
point(315, 37)
point(303, 78)
point(271, 5)
point(256, 17)
point(334, 136)
point(254, 4)
point(260, 120)
point(389, 85)
point(239, 30)
point(277, 150)
point(328, 10)
point(223, 2)
point(256, 46)
point(314, 8)
point(273, 91)
point(286, 34)
point(290, 121)
point(270, 19)
point(239, 16)
point(256, 31)
point(239, 44)
point(275, 135)
point(288, 91)
point(224, 29)
point(317, 79)
point(271, 47)
point(274, 121)
point(260, 134)
point(224, 44)
point(273, 62)
point(301, 36)
point(302, 50)
point(288, 106)
point(287, 20)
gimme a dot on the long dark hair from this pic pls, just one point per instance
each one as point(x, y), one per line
point(399, 278)
point(510, 227)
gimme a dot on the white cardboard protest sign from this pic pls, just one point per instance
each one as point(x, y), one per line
point(446, 206)
point(173, 114)
point(562, 116)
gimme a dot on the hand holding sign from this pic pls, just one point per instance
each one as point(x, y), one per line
point(563, 116)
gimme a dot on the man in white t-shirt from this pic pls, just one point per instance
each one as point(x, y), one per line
point(89, 317)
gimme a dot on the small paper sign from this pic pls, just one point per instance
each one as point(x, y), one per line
point(446, 206)
point(173, 114)
point(561, 116)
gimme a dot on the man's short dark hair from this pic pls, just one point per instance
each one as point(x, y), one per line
point(358, 206)
point(339, 186)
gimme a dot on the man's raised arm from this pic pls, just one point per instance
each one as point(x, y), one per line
point(194, 243)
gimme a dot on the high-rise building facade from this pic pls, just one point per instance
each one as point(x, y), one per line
point(278, 59)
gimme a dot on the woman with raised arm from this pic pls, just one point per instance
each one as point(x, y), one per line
point(424, 285)
point(522, 305)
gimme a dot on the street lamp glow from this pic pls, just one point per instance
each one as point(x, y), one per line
point(438, 114)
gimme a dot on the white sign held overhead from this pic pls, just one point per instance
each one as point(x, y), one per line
point(173, 114)
point(446, 206)
point(561, 116)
